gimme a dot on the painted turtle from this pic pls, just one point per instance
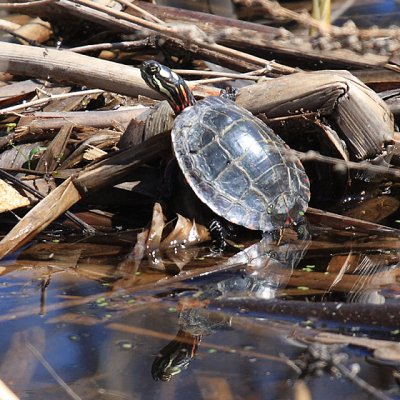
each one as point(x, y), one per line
point(233, 162)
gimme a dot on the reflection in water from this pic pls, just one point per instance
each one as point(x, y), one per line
point(268, 268)
point(175, 356)
point(103, 339)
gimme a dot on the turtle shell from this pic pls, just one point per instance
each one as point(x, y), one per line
point(238, 166)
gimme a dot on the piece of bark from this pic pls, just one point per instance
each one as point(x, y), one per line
point(19, 156)
point(54, 152)
point(17, 90)
point(347, 263)
point(43, 124)
point(10, 199)
point(378, 78)
point(323, 248)
point(342, 282)
point(359, 112)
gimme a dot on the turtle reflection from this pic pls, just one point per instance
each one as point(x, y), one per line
point(269, 265)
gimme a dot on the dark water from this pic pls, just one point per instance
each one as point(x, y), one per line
point(104, 332)
point(372, 13)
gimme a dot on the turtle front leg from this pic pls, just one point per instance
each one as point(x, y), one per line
point(220, 232)
point(218, 235)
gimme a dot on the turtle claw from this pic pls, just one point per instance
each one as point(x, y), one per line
point(229, 93)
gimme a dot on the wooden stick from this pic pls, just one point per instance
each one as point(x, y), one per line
point(24, 5)
point(68, 66)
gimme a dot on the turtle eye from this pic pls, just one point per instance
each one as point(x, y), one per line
point(150, 67)
point(154, 69)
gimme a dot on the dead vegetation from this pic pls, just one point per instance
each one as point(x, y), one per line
point(85, 152)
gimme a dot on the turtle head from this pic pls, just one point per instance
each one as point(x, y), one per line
point(168, 83)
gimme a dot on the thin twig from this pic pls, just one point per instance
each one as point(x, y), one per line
point(221, 79)
point(52, 372)
point(141, 11)
point(46, 100)
point(223, 76)
point(16, 6)
point(217, 74)
point(361, 383)
point(363, 165)
point(112, 46)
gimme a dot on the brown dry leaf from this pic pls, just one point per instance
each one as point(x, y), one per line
point(186, 231)
point(180, 259)
point(149, 241)
point(10, 199)
point(156, 228)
